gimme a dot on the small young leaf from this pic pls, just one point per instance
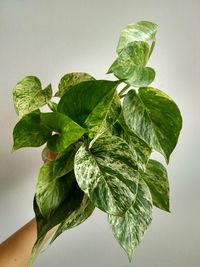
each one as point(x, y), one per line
point(30, 132)
point(77, 217)
point(71, 79)
point(80, 100)
point(29, 96)
point(72, 202)
point(130, 228)
point(50, 190)
point(140, 31)
point(130, 65)
point(107, 173)
point(154, 117)
point(69, 131)
point(156, 178)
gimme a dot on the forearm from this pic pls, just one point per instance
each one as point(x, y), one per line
point(16, 250)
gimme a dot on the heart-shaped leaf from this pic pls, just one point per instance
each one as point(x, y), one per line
point(29, 96)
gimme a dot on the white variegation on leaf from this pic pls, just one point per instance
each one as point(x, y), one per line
point(156, 178)
point(130, 228)
point(154, 117)
point(29, 96)
point(108, 174)
point(140, 31)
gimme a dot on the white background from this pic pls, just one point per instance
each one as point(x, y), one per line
point(50, 38)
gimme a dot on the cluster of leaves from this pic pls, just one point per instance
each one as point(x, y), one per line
point(102, 141)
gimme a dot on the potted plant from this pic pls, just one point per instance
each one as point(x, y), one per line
point(99, 141)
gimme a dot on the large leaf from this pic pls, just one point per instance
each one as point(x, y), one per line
point(72, 202)
point(71, 79)
point(130, 228)
point(50, 190)
point(130, 65)
point(69, 131)
point(30, 132)
point(77, 217)
point(29, 96)
point(107, 173)
point(140, 31)
point(154, 117)
point(80, 100)
point(156, 178)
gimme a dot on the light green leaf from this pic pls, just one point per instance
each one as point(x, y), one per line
point(71, 79)
point(30, 132)
point(154, 117)
point(156, 178)
point(140, 31)
point(107, 173)
point(130, 65)
point(130, 229)
point(72, 202)
point(91, 94)
point(77, 217)
point(29, 96)
point(68, 131)
point(50, 190)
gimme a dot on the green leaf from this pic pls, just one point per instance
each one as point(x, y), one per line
point(71, 79)
point(154, 117)
point(140, 31)
point(77, 217)
point(51, 190)
point(130, 229)
point(72, 202)
point(30, 132)
point(130, 65)
point(80, 100)
point(107, 173)
point(69, 131)
point(29, 96)
point(156, 178)
point(141, 151)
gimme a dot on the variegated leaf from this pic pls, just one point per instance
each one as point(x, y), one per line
point(51, 190)
point(68, 132)
point(108, 174)
point(77, 217)
point(154, 117)
point(130, 228)
point(140, 31)
point(30, 132)
point(130, 65)
point(91, 94)
point(71, 79)
point(29, 96)
point(156, 178)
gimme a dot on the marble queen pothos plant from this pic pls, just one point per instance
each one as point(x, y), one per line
point(102, 140)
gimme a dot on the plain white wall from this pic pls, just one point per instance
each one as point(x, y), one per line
point(50, 38)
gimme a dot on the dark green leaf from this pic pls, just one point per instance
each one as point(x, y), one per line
point(154, 117)
point(50, 190)
point(140, 31)
point(29, 96)
point(130, 65)
point(77, 217)
point(130, 229)
point(67, 207)
point(69, 131)
point(156, 178)
point(107, 173)
point(30, 132)
point(71, 79)
point(80, 100)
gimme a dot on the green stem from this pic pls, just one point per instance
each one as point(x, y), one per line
point(52, 106)
point(124, 90)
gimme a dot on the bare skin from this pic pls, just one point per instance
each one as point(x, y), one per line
point(16, 250)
